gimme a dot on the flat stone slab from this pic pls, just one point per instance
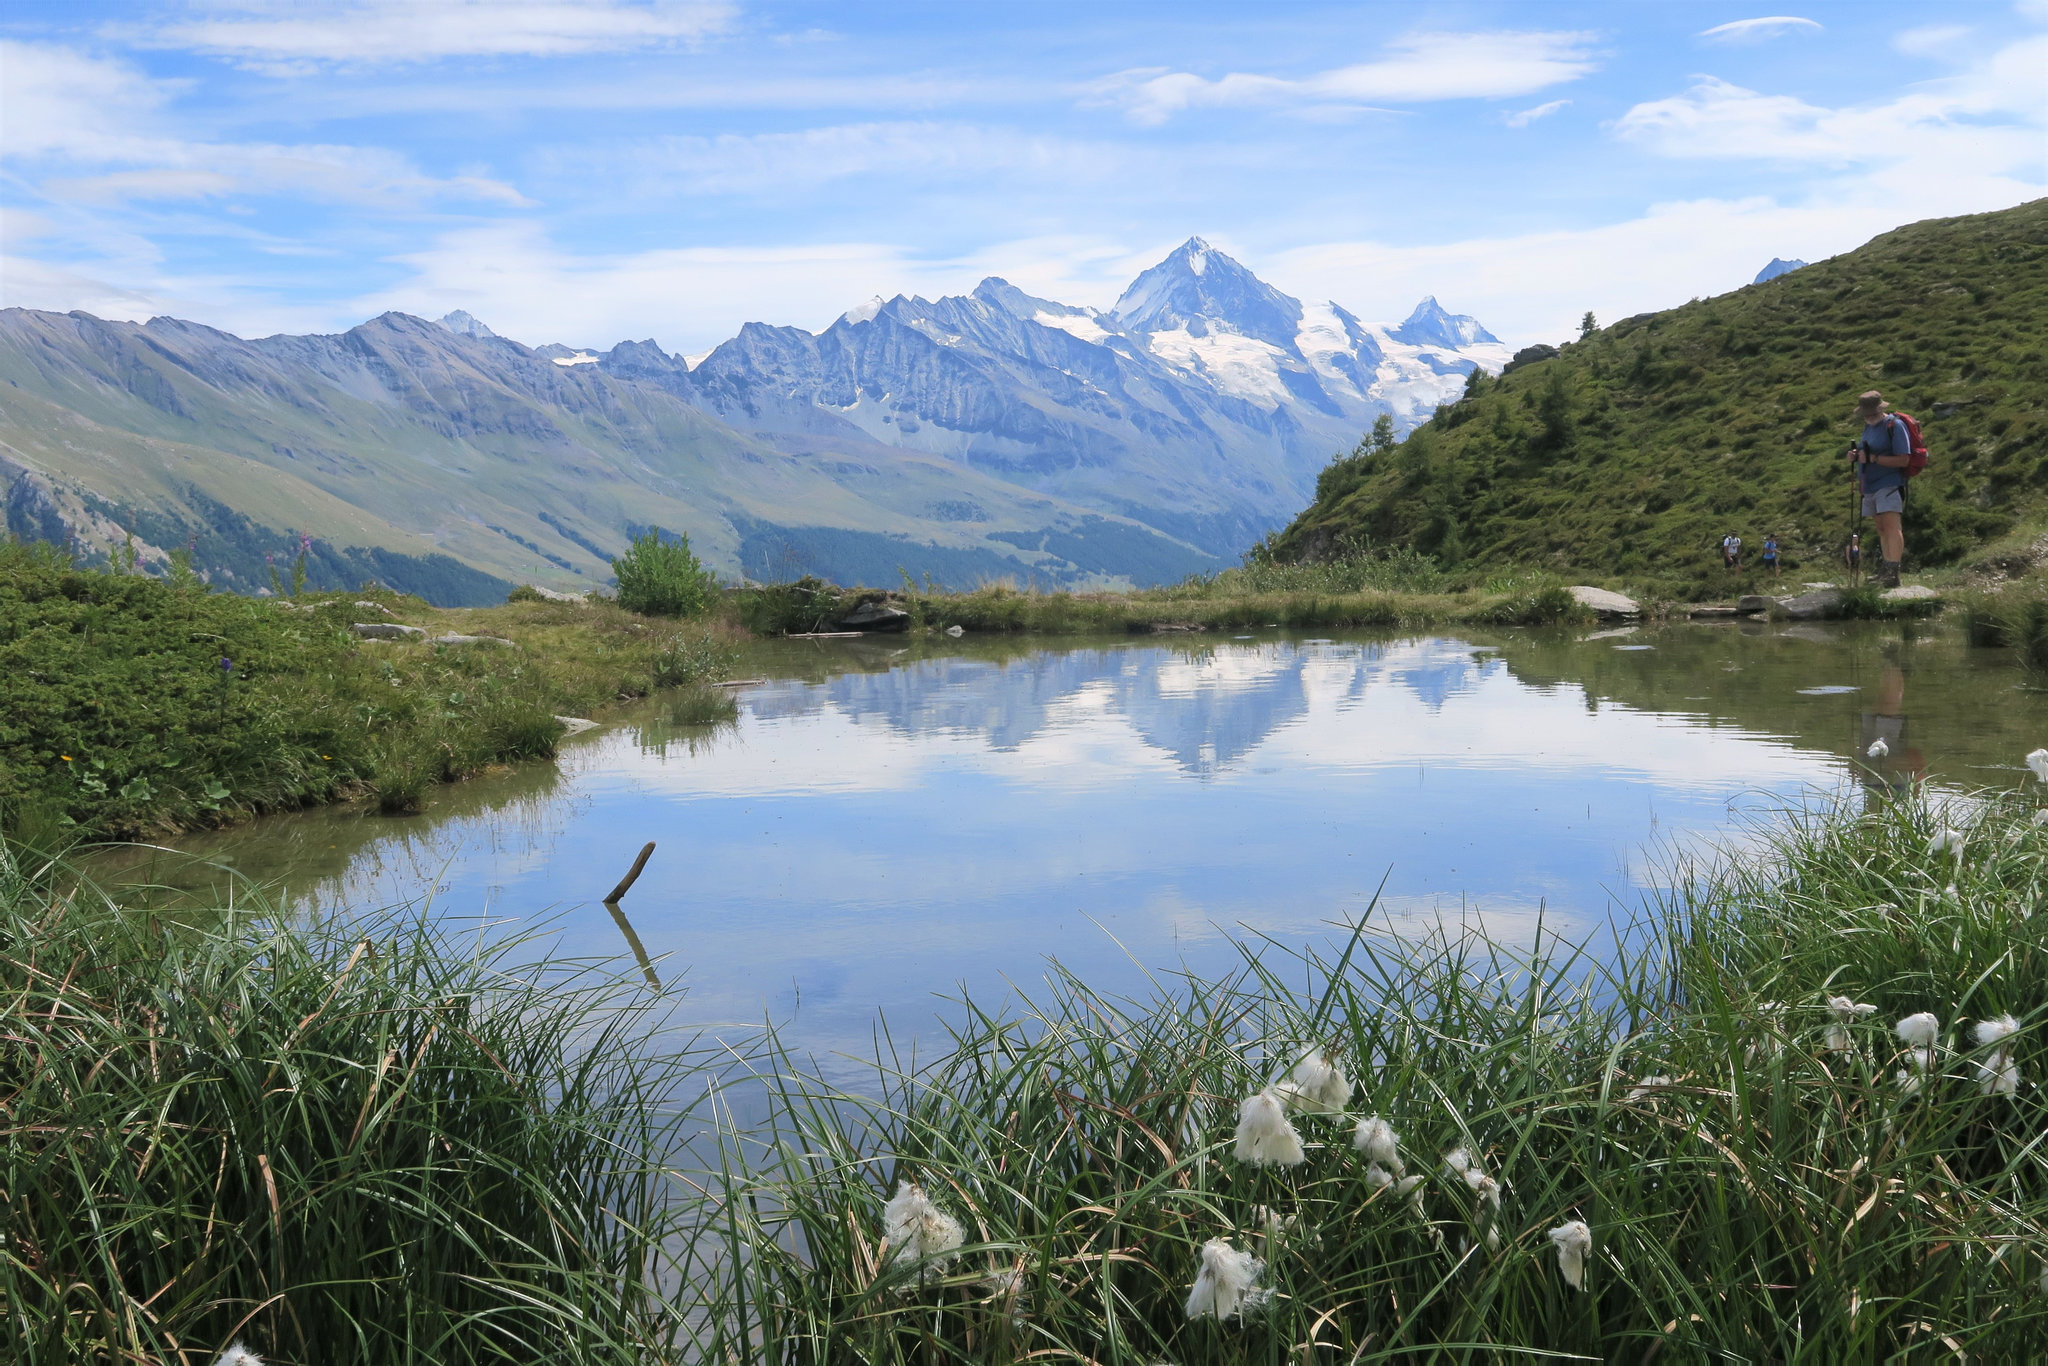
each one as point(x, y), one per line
point(575, 725)
point(1822, 602)
point(1713, 610)
point(1604, 602)
point(1752, 602)
point(1911, 592)
point(452, 639)
point(386, 630)
point(555, 595)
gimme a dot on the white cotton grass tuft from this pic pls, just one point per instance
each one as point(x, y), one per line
point(238, 1355)
point(1227, 1285)
point(1912, 1077)
point(1316, 1085)
point(2040, 817)
point(1878, 749)
point(1947, 840)
point(1381, 1145)
point(1846, 1012)
point(918, 1230)
point(1999, 1074)
point(1919, 1030)
point(1574, 1243)
point(1647, 1088)
point(1265, 1137)
point(1007, 1290)
point(2038, 761)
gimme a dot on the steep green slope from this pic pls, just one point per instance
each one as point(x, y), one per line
point(1634, 450)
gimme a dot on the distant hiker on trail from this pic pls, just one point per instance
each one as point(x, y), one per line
point(1852, 555)
point(1731, 551)
point(1881, 455)
point(1771, 556)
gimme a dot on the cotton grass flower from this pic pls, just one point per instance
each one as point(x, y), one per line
point(1316, 1085)
point(1227, 1285)
point(918, 1230)
point(1919, 1031)
point(1265, 1137)
point(1999, 1074)
point(1381, 1145)
point(2038, 761)
point(1878, 749)
point(1574, 1243)
point(1947, 840)
point(1913, 1076)
point(1846, 1013)
point(238, 1355)
point(1647, 1088)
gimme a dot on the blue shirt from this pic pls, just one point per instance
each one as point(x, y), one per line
point(1888, 437)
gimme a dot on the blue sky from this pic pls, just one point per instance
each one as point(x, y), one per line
point(589, 170)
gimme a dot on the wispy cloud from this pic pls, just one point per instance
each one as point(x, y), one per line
point(1759, 30)
point(299, 35)
point(795, 162)
point(1419, 68)
point(1526, 117)
point(1930, 40)
point(107, 127)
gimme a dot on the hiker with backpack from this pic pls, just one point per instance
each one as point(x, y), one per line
point(1889, 453)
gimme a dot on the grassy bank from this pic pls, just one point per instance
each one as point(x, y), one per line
point(375, 1145)
point(132, 704)
point(1362, 591)
point(1750, 1191)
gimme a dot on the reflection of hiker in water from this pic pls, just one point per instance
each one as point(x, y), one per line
point(1896, 766)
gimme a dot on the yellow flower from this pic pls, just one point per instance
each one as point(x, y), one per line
point(65, 757)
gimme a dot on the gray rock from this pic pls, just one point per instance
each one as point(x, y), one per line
point(575, 725)
point(1822, 602)
point(1603, 602)
point(1752, 602)
point(875, 616)
point(374, 607)
point(452, 639)
point(1911, 592)
point(554, 595)
point(386, 630)
point(956, 632)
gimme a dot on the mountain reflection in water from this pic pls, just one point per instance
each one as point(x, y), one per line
point(892, 820)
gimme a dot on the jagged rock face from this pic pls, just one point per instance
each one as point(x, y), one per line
point(1204, 403)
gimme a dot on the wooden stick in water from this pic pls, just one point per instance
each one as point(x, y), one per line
point(626, 883)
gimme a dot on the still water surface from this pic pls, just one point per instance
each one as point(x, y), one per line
point(889, 821)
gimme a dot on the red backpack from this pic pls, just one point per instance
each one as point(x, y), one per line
point(1918, 462)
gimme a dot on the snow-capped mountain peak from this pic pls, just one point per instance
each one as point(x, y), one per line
point(861, 313)
point(1199, 290)
point(465, 324)
point(1431, 325)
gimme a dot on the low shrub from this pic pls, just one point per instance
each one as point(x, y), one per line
point(660, 577)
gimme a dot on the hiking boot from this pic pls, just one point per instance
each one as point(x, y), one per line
point(1888, 576)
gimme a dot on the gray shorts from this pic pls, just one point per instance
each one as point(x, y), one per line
point(1892, 499)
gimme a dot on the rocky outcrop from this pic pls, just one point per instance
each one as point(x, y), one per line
point(875, 616)
point(386, 630)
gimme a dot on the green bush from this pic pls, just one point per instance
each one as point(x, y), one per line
point(660, 577)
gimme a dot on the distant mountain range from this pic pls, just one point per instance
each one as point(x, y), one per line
point(980, 436)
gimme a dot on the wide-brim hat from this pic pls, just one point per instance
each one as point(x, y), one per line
point(1871, 404)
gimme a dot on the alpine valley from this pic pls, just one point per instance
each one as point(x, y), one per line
point(986, 436)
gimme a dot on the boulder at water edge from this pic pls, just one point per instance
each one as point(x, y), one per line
point(1603, 602)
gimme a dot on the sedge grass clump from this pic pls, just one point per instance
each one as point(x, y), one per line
point(235, 1133)
point(1752, 1203)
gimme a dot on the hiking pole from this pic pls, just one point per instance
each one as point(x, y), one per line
point(1856, 519)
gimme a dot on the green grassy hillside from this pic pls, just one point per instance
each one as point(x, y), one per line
point(1634, 450)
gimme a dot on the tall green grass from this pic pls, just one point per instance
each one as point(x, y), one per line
point(1752, 1194)
point(367, 1142)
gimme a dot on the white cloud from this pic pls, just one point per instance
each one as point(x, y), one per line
point(1930, 40)
point(1421, 67)
point(68, 111)
point(1759, 30)
point(734, 163)
point(1528, 116)
point(297, 35)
